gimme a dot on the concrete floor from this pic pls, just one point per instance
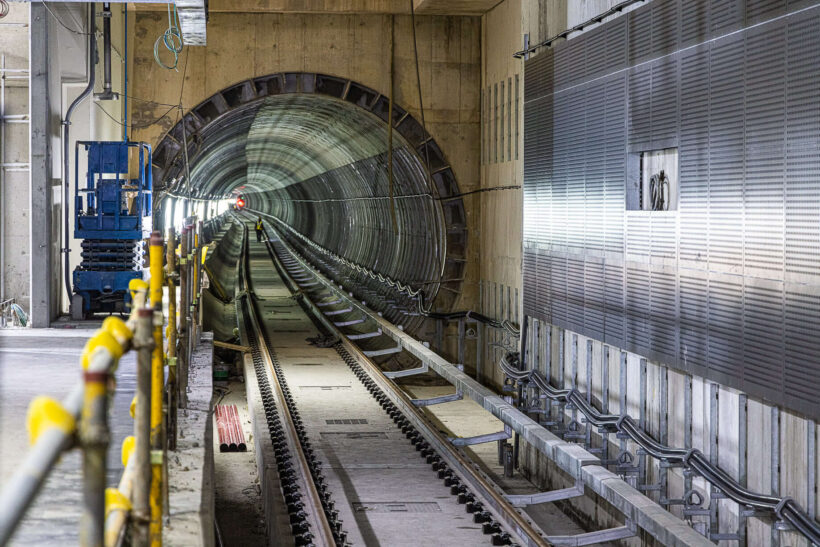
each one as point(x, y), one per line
point(46, 362)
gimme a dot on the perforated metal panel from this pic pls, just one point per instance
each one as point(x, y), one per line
point(727, 286)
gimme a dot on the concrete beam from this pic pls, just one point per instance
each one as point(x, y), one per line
point(42, 307)
point(453, 7)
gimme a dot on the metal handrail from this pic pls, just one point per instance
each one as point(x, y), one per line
point(785, 508)
point(55, 428)
point(81, 419)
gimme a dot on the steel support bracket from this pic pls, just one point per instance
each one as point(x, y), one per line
point(524, 500)
point(457, 396)
point(364, 335)
point(599, 536)
point(407, 372)
point(480, 439)
point(348, 323)
point(385, 351)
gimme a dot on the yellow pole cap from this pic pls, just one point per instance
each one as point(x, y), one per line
point(137, 285)
point(45, 413)
point(118, 328)
point(128, 445)
point(116, 501)
point(102, 339)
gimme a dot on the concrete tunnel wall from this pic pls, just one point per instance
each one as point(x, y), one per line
point(234, 70)
point(311, 151)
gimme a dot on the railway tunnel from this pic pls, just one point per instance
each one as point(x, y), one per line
point(409, 272)
point(309, 152)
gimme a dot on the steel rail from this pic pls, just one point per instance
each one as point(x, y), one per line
point(321, 529)
point(406, 289)
point(527, 531)
point(569, 457)
point(785, 508)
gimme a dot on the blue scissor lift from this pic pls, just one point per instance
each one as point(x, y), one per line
point(113, 218)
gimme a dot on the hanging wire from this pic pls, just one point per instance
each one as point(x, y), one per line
point(45, 5)
point(171, 39)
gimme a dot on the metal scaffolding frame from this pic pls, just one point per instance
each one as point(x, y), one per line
point(20, 75)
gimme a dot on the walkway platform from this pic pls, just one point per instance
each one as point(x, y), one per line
point(47, 362)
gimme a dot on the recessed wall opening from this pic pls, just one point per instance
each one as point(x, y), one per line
point(653, 181)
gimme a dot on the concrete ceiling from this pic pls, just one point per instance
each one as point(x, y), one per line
point(423, 7)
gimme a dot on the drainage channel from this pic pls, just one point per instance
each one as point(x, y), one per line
point(383, 489)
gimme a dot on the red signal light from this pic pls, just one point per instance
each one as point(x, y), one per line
point(240, 203)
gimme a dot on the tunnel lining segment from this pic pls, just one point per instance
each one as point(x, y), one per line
point(225, 120)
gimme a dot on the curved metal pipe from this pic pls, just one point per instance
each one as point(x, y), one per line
point(92, 56)
point(785, 509)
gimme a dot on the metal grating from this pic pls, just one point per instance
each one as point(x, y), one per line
point(728, 286)
point(335, 435)
point(396, 506)
point(346, 421)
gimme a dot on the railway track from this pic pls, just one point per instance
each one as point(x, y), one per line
point(357, 462)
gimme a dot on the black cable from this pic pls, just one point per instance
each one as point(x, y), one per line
point(480, 190)
point(135, 126)
point(430, 182)
point(659, 191)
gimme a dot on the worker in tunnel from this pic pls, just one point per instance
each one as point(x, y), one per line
point(258, 229)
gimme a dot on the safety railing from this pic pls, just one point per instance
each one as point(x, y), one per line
point(784, 509)
point(132, 512)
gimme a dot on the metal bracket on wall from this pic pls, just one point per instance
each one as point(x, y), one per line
point(364, 335)
point(628, 530)
point(480, 439)
point(524, 500)
point(407, 372)
point(457, 396)
point(349, 323)
point(380, 352)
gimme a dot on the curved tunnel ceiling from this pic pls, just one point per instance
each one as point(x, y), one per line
point(311, 150)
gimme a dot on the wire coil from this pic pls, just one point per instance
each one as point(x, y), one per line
point(171, 39)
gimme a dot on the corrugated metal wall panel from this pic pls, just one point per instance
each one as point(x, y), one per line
point(693, 155)
point(802, 346)
point(802, 202)
point(694, 328)
point(764, 158)
point(615, 168)
point(727, 286)
point(726, 153)
point(614, 310)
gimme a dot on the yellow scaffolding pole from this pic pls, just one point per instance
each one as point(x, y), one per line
point(157, 383)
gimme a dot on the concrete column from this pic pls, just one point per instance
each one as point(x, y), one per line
point(40, 158)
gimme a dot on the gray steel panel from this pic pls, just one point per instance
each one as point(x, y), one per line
point(802, 200)
point(729, 285)
point(614, 304)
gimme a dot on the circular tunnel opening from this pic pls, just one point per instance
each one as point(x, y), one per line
point(309, 153)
